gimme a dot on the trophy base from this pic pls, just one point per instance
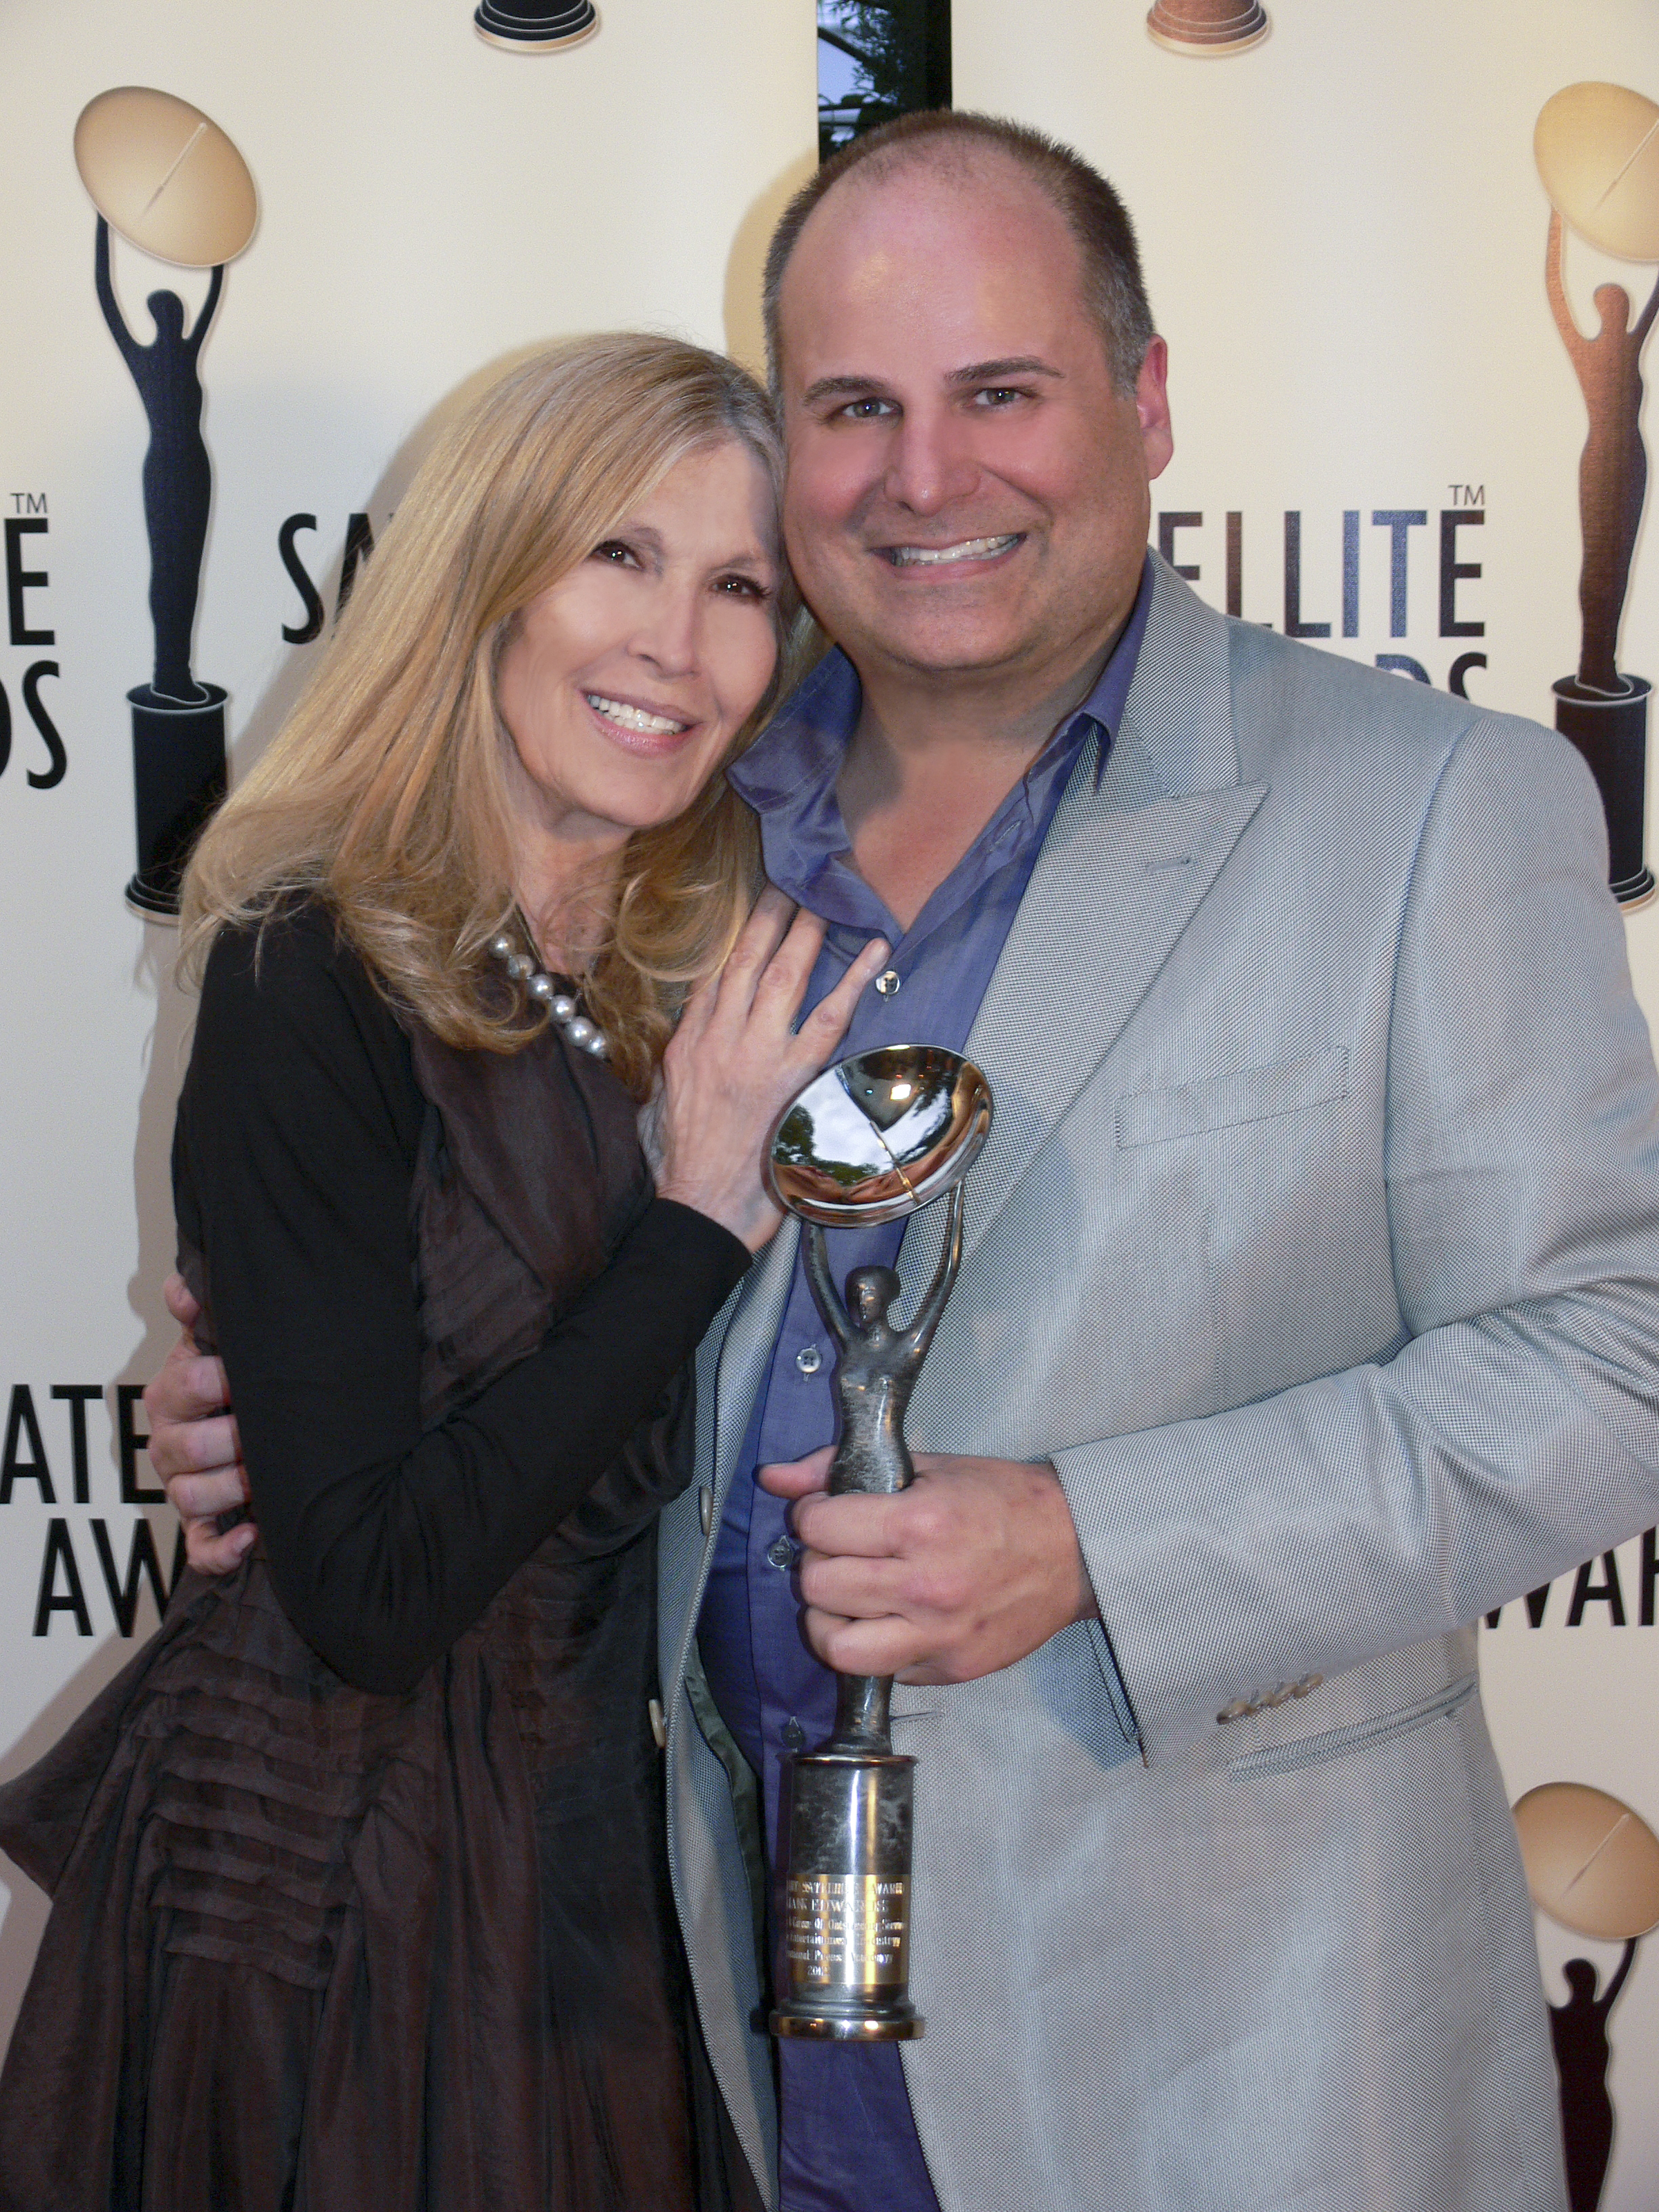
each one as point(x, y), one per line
point(1208, 27)
point(179, 778)
point(848, 2028)
point(542, 31)
point(1611, 731)
point(846, 1898)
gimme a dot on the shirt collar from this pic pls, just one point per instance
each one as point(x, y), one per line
point(789, 775)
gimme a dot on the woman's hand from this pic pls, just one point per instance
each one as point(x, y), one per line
point(194, 1446)
point(736, 1062)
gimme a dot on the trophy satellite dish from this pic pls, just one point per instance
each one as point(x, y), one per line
point(878, 1136)
point(1597, 148)
point(1592, 1864)
point(166, 177)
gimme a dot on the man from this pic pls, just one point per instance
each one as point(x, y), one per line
point(1308, 1308)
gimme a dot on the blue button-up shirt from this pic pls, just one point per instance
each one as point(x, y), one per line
point(849, 2143)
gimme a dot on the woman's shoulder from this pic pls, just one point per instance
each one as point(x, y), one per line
point(292, 983)
point(293, 961)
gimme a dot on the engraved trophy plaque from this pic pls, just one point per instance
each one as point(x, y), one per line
point(876, 1137)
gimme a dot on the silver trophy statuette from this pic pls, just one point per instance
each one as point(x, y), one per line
point(876, 1137)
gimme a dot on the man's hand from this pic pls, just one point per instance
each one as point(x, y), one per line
point(193, 1445)
point(973, 1566)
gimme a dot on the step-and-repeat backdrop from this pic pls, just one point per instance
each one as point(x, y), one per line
point(1402, 264)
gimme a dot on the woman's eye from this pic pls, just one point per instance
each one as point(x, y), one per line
point(616, 551)
point(743, 587)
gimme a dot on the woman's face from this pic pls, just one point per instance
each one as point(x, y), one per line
point(622, 685)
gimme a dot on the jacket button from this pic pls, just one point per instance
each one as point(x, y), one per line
point(1308, 1682)
point(1237, 1710)
point(1278, 1694)
point(659, 1724)
point(706, 1508)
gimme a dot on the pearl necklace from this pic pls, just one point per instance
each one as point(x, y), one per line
point(542, 988)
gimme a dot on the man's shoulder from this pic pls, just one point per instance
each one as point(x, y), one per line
point(1296, 702)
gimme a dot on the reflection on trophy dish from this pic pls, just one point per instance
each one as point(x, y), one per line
point(1592, 1863)
point(166, 177)
point(878, 1135)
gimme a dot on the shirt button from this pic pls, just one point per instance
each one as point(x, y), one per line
point(783, 1552)
point(888, 983)
point(809, 1359)
point(795, 1734)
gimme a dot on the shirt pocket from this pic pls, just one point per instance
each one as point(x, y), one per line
point(1226, 1102)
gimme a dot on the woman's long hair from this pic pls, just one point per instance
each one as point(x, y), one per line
point(386, 791)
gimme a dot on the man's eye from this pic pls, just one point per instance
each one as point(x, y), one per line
point(999, 395)
point(866, 410)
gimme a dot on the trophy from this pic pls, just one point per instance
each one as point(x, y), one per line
point(165, 177)
point(876, 1138)
point(1597, 150)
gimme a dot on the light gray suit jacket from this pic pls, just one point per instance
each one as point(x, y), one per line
point(1317, 1244)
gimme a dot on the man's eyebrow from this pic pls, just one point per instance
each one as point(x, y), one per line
point(994, 371)
point(977, 372)
point(860, 388)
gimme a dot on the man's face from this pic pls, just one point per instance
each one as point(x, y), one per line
point(967, 492)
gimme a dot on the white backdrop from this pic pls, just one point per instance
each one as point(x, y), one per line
point(1344, 234)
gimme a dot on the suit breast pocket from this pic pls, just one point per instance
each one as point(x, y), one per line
point(1276, 1171)
point(1228, 1102)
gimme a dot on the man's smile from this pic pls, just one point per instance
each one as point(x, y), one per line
point(934, 556)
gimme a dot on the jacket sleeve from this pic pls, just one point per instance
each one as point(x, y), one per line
point(292, 1171)
point(1515, 1430)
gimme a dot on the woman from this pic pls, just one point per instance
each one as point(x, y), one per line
point(359, 1892)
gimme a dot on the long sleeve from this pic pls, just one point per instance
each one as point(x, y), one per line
point(292, 1165)
point(1515, 1430)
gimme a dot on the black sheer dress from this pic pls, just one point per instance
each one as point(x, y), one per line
point(360, 1890)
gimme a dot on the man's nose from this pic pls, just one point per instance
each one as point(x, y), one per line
point(930, 462)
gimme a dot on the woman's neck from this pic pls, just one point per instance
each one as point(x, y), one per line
point(567, 891)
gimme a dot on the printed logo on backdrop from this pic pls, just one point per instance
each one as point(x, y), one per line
point(78, 1444)
point(170, 182)
point(1413, 561)
point(1593, 1868)
point(1597, 148)
point(535, 26)
point(1209, 26)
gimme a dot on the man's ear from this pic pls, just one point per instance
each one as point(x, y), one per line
point(1152, 406)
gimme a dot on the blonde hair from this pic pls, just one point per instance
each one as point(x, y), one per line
point(386, 793)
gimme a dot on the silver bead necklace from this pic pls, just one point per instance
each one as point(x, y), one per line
point(541, 986)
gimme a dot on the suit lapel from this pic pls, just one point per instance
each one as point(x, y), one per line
point(1122, 871)
point(746, 1348)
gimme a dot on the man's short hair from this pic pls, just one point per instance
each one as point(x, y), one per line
point(1114, 289)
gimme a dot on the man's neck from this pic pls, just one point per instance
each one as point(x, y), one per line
point(930, 762)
